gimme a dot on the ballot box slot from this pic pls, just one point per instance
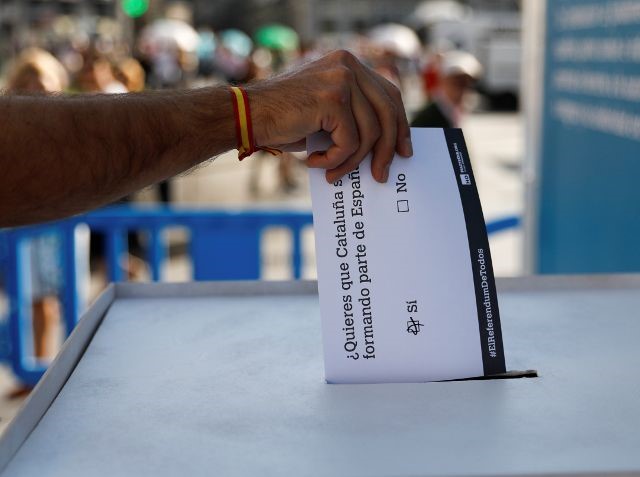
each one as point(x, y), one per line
point(513, 374)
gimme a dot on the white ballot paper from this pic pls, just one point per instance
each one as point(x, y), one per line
point(406, 285)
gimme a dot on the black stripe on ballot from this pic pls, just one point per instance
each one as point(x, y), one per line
point(484, 282)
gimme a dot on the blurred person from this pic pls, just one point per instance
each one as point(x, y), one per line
point(384, 62)
point(234, 68)
point(206, 52)
point(36, 71)
point(261, 61)
point(166, 71)
point(459, 72)
point(130, 73)
point(97, 76)
point(431, 75)
point(86, 151)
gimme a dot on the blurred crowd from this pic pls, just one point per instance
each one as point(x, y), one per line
point(96, 55)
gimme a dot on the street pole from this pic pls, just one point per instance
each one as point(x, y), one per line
point(532, 77)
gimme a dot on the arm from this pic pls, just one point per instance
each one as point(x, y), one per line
point(64, 155)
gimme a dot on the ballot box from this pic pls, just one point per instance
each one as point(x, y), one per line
point(226, 379)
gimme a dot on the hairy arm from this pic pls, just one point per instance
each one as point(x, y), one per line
point(62, 155)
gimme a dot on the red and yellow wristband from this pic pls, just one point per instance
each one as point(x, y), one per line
point(244, 127)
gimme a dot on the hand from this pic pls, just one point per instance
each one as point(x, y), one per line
point(361, 110)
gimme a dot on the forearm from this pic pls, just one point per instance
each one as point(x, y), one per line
point(64, 155)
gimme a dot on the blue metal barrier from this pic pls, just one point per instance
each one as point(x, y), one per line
point(505, 223)
point(224, 245)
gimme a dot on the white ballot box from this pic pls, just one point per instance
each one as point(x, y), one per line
point(202, 379)
point(406, 283)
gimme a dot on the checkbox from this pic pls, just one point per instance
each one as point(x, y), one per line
point(403, 206)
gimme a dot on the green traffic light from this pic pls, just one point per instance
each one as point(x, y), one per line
point(135, 8)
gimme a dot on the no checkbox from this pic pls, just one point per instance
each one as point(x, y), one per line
point(403, 205)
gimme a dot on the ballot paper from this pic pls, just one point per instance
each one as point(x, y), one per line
point(406, 285)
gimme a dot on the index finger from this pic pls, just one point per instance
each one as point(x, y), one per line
point(345, 138)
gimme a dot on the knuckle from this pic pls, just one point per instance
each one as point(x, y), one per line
point(344, 57)
point(342, 74)
point(336, 95)
point(394, 92)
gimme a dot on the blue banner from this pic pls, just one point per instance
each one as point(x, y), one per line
point(589, 206)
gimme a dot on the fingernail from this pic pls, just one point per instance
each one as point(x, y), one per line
point(408, 147)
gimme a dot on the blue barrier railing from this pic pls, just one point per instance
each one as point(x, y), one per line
point(224, 245)
point(502, 224)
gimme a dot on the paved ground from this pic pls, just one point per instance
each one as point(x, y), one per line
point(495, 144)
